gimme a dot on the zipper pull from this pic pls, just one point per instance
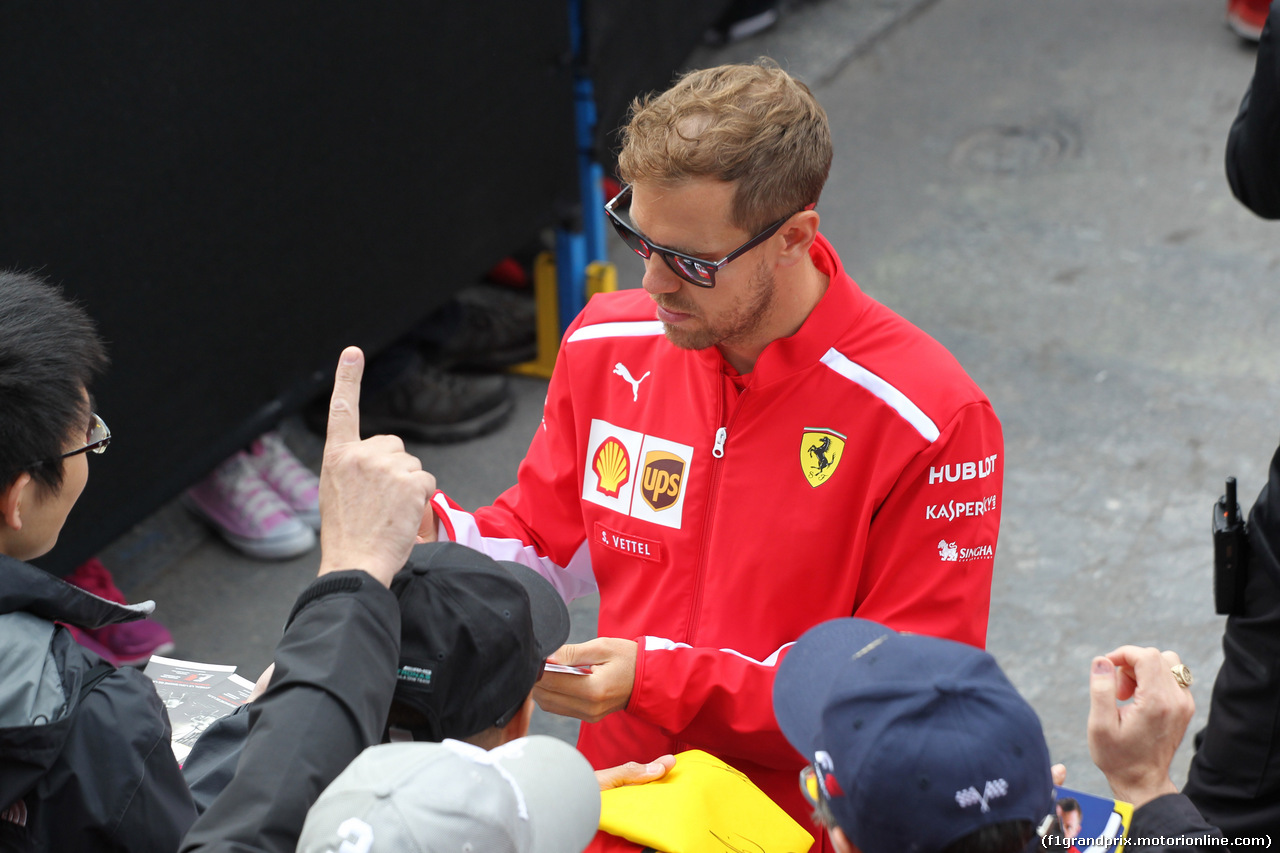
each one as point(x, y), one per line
point(721, 435)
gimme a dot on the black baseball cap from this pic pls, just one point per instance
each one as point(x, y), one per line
point(474, 635)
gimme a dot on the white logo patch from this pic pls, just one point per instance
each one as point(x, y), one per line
point(948, 552)
point(979, 470)
point(615, 468)
point(951, 510)
point(970, 796)
point(356, 835)
point(621, 370)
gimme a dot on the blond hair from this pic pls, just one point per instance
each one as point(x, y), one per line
point(752, 125)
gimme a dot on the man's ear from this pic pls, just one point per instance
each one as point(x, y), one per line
point(798, 235)
point(519, 725)
point(841, 841)
point(23, 487)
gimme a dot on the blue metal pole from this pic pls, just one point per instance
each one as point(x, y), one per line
point(577, 247)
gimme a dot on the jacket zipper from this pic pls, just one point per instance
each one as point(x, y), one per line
point(717, 452)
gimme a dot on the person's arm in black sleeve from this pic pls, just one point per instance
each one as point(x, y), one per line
point(1173, 817)
point(1234, 778)
point(213, 759)
point(1253, 143)
point(328, 700)
point(335, 667)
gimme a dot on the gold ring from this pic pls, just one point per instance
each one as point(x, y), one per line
point(1182, 675)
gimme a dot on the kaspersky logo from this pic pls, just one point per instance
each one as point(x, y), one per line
point(653, 493)
point(612, 466)
point(951, 510)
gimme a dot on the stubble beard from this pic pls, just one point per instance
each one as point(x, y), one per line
point(740, 324)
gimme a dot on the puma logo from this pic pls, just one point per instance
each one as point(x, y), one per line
point(621, 370)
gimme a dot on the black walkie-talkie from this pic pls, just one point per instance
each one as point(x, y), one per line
point(1230, 553)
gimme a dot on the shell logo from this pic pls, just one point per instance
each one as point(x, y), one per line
point(612, 467)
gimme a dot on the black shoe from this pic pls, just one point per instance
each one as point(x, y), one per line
point(484, 327)
point(428, 405)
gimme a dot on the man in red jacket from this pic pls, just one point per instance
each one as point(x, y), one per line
point(743, 449)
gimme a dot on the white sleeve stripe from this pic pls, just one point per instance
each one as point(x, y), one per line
point(572, 581)
point(662, 644)
point(895, 399)
point(633, 329)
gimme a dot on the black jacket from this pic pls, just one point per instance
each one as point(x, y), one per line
point(1253, 167)
point(1173, 820)
point(1234, 778)
point(91, 775)
point(328, 700)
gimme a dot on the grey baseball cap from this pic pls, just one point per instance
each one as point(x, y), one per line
point(536, 794)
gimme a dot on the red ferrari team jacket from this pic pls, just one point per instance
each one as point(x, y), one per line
point(856, 470)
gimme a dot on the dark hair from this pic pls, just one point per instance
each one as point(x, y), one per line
point(49, 350)
point(1068, 804)
point(1007, 836)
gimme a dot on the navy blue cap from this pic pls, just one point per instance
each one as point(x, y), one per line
point(915, 741)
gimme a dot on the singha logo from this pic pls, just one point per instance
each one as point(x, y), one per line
point(948, 551)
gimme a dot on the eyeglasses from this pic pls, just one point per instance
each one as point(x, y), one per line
point(809, 785)
point(693, 270)
point(96, 438)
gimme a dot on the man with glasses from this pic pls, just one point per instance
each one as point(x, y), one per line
point(78, 773)
point(85, 759)
point(745, 447)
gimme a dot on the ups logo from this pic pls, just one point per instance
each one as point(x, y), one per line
point(660, 482)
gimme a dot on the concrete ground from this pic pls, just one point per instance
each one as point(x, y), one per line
point(1039, 185)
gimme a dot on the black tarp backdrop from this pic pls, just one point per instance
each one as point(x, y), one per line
point(236, 191)
point(637, 47)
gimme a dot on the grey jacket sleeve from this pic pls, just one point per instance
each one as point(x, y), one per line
point(1253, 143)
point(328, 700)
point(1174, 820)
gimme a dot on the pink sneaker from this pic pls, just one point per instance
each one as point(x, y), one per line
point(288, 478)
point(124, 644)
point(248, 513)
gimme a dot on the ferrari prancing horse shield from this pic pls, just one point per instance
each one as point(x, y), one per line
point(820, 452)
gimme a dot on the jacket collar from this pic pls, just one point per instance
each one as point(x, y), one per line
point(25, 588)
point(837, 310)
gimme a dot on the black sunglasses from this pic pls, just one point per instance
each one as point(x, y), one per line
point(693, 270)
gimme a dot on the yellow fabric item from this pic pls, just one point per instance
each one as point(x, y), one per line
point(702, 805)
